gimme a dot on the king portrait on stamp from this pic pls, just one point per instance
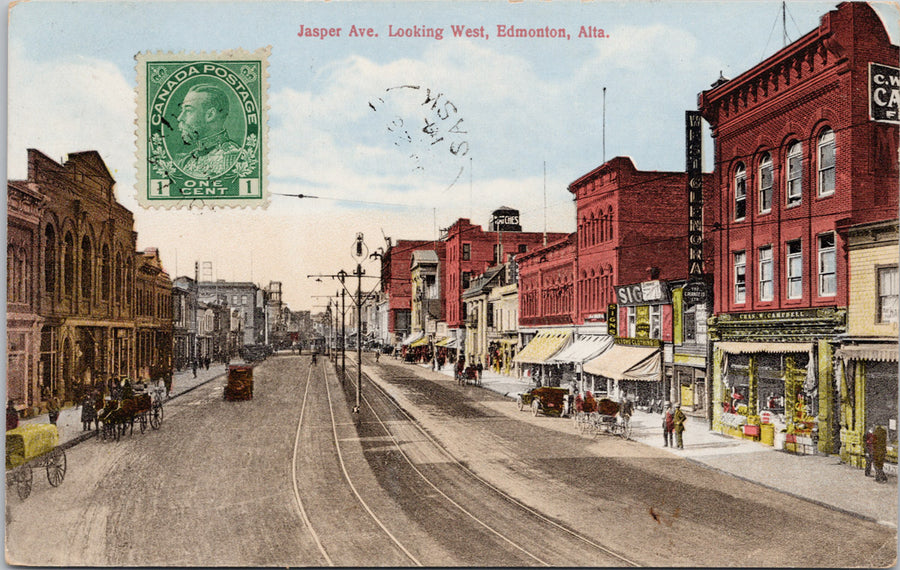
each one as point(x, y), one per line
point(202, 129)
point(202, 126)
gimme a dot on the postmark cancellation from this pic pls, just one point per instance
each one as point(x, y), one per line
point(202, 130)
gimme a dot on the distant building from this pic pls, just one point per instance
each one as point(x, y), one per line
point(241, 295)
point(153, 316)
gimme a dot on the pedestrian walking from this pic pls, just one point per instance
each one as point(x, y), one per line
point(88, 413)
point(668, 424)
point(12, 416)
point(167, 382)
point(377, 355)
point(194, 367)
point(480, 368)
point(879, 452)
point(869, 443)
point(53, 409)
point(679, 418)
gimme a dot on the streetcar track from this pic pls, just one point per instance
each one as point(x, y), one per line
point(350, 482)
point(509, 498)
point(444, 495)
point(299, 501)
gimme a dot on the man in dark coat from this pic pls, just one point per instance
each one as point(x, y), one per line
point(678, 419)
point(879, 453)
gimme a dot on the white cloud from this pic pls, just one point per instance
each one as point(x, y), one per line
point(68, 105)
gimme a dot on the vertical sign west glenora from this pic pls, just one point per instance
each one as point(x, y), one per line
point(694, 152)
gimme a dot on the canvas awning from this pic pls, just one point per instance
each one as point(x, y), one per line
point(587, 347)
point(627, 363)
point(419, 342)
point(543, 346)
point(875, 353)
point(443, 341)
point(412, 337)
point(770, 347)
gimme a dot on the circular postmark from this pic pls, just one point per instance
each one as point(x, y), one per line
point(427, 127)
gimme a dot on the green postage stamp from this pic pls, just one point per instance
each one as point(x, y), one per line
point(202, 129)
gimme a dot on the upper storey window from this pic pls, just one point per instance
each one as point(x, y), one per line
point(766, 176)
point(740, 193)
point(826, 163)
point(794, 188)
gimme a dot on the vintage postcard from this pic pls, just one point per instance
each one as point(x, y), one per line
point(452, 283)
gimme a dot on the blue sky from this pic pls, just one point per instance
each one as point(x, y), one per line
point(525, 104)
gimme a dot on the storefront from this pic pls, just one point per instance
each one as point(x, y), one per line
point(771, 385)
point(501, 353)
point(630, 368)
point(867, 380)
point(773, 378)
point(534, 357)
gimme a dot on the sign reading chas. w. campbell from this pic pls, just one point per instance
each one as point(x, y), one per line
point(202, 129)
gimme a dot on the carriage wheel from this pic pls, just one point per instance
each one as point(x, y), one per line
point(155, 417)
point(23, 480)
point(520, 403)
point(535, 408)
point(56, 467)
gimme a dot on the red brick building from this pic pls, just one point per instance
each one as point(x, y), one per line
point(632, 226)
point(798, 158)
point(471, 250)
point(397, 285)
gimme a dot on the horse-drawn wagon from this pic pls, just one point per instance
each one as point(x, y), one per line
point(601, 416)
point(143, 407)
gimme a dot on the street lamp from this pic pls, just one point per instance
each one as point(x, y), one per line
point(359, 252)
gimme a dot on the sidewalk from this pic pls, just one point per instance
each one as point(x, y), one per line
point(820, 479)
point(69, 422)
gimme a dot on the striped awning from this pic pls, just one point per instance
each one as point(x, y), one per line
point(769, 347)
point(627, 363)
point(875, 353)
point(543, 346)
point(586, 347)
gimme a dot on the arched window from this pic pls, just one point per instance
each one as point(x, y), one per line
point(609, 222)
point(128, 278)
point(50, 261)
point(826, 164)
point(766, 177)
point(69, 265)
point(120, 279)
point(16, 282)
point(105, 273)
point(794, 186)
point(86, 268)
point(740, 192)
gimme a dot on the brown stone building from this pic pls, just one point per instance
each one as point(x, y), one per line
point(78, 283)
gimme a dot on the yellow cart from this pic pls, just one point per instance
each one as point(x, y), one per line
point(33, 446)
